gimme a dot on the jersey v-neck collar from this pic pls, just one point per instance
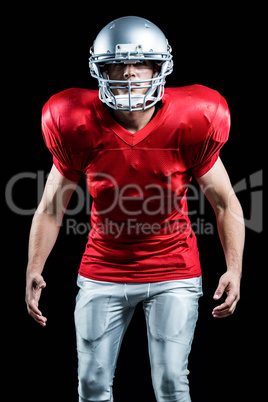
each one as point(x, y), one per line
point(129, 138)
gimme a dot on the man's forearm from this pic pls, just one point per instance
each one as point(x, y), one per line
point(43, 235)
point(231, 230)
point(218, 189)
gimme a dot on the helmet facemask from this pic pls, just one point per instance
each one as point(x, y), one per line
point(130, 53)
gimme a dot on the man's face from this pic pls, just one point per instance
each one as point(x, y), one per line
point(130, 72)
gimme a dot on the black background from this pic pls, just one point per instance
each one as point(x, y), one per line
point(219, 46)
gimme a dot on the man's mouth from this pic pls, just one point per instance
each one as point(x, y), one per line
point(131, 85)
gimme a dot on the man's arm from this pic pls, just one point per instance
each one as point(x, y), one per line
point(44, 232)
point(218, 190)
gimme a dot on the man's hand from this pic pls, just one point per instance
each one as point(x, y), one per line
point(35, 284)
point(230, 284)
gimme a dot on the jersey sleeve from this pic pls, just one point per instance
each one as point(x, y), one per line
point(200, 157)
point(64, 159)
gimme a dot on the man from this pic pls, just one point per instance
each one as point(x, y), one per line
point(138, 148)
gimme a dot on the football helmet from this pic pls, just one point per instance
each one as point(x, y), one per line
point(130, 40)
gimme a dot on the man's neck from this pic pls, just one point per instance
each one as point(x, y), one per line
point(133, 121)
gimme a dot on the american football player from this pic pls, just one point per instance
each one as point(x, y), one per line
point(138, 145)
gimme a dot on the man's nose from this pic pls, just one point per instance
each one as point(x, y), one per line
point(129, 71)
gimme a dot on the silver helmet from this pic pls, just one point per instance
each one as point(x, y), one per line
point(130, 40)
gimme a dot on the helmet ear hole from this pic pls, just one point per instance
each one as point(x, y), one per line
point(94, 69)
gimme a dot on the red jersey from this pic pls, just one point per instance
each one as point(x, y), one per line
point(141, 231)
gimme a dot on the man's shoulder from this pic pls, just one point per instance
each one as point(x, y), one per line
point(195, 109)
point(191, 95)
point(69, 110)
point(71, 99)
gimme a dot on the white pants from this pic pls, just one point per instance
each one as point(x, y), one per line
point(102, 314)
